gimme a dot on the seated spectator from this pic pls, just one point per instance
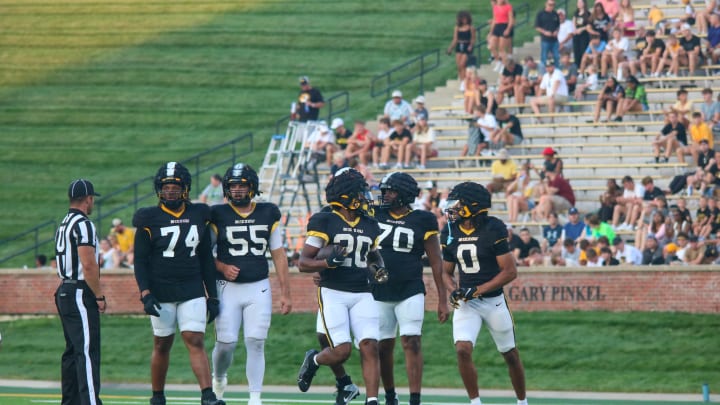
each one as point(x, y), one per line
point(635, 99)
point(551, 163)
point(530, 82)
point(710, 110)
point(713, 37)
point(608, 200)
point(125, 236)
point(702, 215)
point(380, 139)
point(471, 96)
point(657, 228)
point(109, 258)
point(360, 143)
point(476, 140)
point(679, 224)
point(574, 229)
point(553, 91)
point(712, 176)
point(519, 194)
point(599, 229)
point(614, 53)
point(671, 53)
point(625, 253)
point(593, 53)
point(514, 240)
point(422, 144)
point(398, 109)
point(712, 225)
point(338, 162)
point(557, 196)
point(510, 79)
point(569, 70)
point(671, 137)
point(364, 170)
point(610, 97)
point(632, 195)
point(486, 97)
point(509, 131)
point(653, 199)
point(534, 258)
point(593, 260)
point(699, 131)
point(590, 82)
point(322, 144)
point(570, 254)
point(396, 145)
point(527, 242)
point(213, 193)
point(607, 258)
point(689, 54)
point(420, 110)
point(503, 171)
point(652, 253)
point(655, 18)
point(683, 107)
point(650, 56)
point(551, 233)
point(342, 134)
point(696, 252)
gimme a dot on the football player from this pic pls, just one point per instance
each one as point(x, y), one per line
point(407, 234)
point(245, 230)
point(478, 246)
point(346, 303)
point(174, 269)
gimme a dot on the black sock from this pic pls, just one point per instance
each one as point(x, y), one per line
point(158, 394)
point(390, 393)
point(206, 392)
point(657, 159)
point(414, 398)
point(341, 382)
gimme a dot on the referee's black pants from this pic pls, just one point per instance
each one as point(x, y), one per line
point(80, 318)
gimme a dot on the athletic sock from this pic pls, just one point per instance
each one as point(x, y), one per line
point(315, 360)
point(475, 401)
point(522, 402)
point(341, 382)
point(390, 394)
point(158, 394)
point(206, 392)
point(255, 364)
point(371, 399)
point(414, 398)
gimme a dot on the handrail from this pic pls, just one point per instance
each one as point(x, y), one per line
point(283, 122)
point(387, 78)
point(105, 206)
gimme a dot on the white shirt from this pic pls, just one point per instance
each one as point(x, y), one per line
point(383, 134)
point(427, 137)
point(592, 81)
point(630, 254)
point(318, 136)
point(622, 43)
point(396, 111)
point(565, 30)
point(548, 81)
point(487, 121)
point(639, 192)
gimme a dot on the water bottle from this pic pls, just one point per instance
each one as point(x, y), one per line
point(706, 392)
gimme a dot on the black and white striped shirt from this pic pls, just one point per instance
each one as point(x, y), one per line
point(75, 230)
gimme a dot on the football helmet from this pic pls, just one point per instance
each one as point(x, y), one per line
point(173, 173)
point(241, 173)
point(469, 199)
point(348, 189)
point(404, 184)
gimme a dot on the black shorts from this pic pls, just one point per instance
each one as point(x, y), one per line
point(462, 47)
point(499, 30)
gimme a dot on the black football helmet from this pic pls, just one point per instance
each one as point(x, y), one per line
point(404, 184)
point(468, 200)
point(348, 189)
point(173, 173)
point(241, 173)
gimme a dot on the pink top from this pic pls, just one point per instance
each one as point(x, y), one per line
point(612, 7)
point(501, 13)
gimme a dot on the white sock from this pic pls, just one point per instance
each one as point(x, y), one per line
point(368, 399)
point(522, 402)
point(475, 401)
point(222, 357)
point(315, 360)
point(255, 365)
point(254, 395)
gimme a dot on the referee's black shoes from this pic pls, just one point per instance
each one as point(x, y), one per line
point(307, 370)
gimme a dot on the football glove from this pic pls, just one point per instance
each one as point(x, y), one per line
point(380, 274)
point(463, 294)
point(151, 305)
point(336, 258)
point(213, 309)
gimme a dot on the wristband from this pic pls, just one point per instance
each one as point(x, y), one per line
point(100, 298)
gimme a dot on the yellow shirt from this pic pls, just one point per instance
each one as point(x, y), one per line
point(700, 132)
point(685, 108)
point(506, 171)
point(126, 239)
point(655, 15)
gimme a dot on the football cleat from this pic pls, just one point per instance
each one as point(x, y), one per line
point(211, 400)
point(255, 401)
point(157, 400)
point(346, 394)
point(307, 370)
point(393, 401)
point(219, 386)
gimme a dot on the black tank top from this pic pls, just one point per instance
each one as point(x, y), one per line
point(464, 36)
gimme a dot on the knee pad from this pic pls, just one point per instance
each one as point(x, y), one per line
point(254, 344)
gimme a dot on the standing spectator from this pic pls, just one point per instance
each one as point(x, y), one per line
point(509, 131)
point(593, 53)
point(671, 137)
point(569, 71)
point(322, 144)
point(359, 143)
point(422, 144)
point(212, 194)
point(554, 87)
point(558, 196)
point(625, 253)
point(611, 7)
point(510, 79)
point(381, 138)
point(581, 36)
point(565, 32)
point(397, 108)
point(713, 37)
point(610, 97)
point(501, 25)
point(547, 23)
point(503, 171)
point(397, 143)
point(342, 134)
point(574, 229)
point(125, 236)
point(699, 131)
point(600, 23)
point(309, 103)
point(79, 298)
point(463, 42)
point(689, 54)
point(635, 99)
point(530, 82)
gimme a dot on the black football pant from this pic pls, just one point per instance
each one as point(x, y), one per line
point(81, 360)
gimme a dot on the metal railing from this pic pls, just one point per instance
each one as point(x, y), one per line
point(412, 69)
point(127, 199)
point(342, 97)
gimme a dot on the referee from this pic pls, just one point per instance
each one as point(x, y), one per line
point(79, 299)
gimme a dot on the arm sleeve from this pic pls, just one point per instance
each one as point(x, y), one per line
point(207, 264)
point(141, 266)
point(276, 241)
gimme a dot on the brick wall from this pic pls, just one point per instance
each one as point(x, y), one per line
point(648, 289)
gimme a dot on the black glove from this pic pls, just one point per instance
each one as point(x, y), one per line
point(336, 258)
point(213, 309)
point(463, 294)
point(151, 304)
point(380, 274)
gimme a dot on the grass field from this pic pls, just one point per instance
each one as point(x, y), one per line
point(576, 351)
point(110, 90)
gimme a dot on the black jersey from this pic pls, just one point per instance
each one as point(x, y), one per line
point(402, 245)
point(172, 251)
point(476, 251)
point(243, 239)
point(358, 238)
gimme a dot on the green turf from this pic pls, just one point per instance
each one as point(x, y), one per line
point(584, 351)
point(110, 90)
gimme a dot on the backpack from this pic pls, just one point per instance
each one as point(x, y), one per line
point(678, 183)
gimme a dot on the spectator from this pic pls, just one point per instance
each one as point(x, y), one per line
point(398, 109)
point(338, 162)
point(420, 109)
point(125, 236)
point(689, 54)
point(530, 81)
point(471, 95)
point(354, 163)
point(610, 97)
point(581, 36)
point(109, 257)
point(710, 110)
point(652, 200)
point(614, 53)
point(514, 241)
point(41, 262)
point(632, 195)
point(608, 200)
point(380, 139)
point(551, 163)
point(520, 194)
point(565, 33)
point(547, 23)
point(607, 258)
point(422, 144)
point(213, 193)
point(557, 196)
point(342, 134)
point(569, 70)
point(527, 242)
point(635, 99)
point(534, 258)
point(569, 255)
point(509, 131)
point(671, 137)
point(309, 103)
point(702, 215)
point(600, 23)
point(611, 7)
point(574, 229)
point(678, 221)
point(360, 143)
point(503, 171)
point(593, 53)
point(652, 253)
point(713, 37)
point(657, 228)
point(476, 140)
point(554, 87)
point(486, 97)
point(510, 79)
point(699, 131)
point(696, 253)
point(626, 18)
point(551, 233)
point(649, 57)
point(322, 144)
point(625, 253)
point(463, 42)
point(590, 82)
point(683, 107)
point(712, 175)
point(592, 258)
point(501, 25)
point(397, 143)
point(599, 228)
point(671, 53)
point(486, 122)
point(712, 225)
